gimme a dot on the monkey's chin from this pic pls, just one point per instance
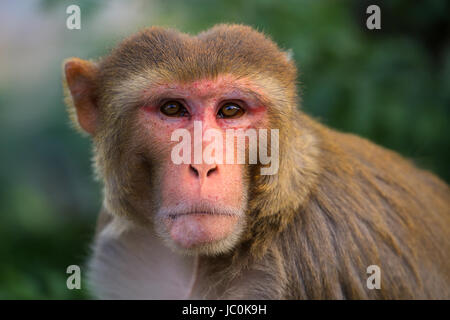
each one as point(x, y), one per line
point(203, 233)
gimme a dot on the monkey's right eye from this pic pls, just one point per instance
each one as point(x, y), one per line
point(173, 109)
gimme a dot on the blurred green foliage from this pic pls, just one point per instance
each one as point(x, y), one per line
point(391, 86)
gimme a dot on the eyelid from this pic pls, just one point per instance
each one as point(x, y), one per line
point(183, 104)
point(242, 106)
point(240, 103)
point(162, 102)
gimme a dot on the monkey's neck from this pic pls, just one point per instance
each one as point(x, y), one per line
point(275, 200)
point(130, 261)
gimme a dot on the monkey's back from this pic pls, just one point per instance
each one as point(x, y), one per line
point(370, 207)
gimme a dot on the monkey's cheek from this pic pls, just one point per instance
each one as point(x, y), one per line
point(191, 230)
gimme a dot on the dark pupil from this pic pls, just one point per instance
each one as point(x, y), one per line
point(230, 110)
point(171, 108)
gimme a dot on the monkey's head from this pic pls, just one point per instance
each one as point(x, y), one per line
point(157, 86)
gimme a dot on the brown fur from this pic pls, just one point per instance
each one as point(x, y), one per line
point(337, 205)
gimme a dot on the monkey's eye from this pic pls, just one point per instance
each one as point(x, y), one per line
point(173, 109)
point(230, 110)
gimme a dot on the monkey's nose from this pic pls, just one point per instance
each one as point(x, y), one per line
point(202, 170)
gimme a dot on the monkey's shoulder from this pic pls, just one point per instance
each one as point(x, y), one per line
point(372, 207)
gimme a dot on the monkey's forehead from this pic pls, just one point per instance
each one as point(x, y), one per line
point(223, 49)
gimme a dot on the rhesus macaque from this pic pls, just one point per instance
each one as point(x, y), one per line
point(336, 205)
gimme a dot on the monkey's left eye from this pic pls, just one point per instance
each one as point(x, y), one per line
point(230, 110)
point(174, 109)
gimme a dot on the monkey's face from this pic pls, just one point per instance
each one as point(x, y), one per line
point(197, 188)
point(160, 109)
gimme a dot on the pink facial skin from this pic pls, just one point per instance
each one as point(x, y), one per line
point(184, 186)
point(191, 230)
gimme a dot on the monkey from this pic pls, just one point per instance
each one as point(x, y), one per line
point(336, 205)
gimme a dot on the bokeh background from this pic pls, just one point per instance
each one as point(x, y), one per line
point(391, 86)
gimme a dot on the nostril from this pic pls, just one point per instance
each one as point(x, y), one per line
point(211, 171)
point(194, 170)
point(202, 171)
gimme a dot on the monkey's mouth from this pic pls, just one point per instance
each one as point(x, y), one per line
point(210, 213)
point(201, 208)
point(191, 225)
point(193, 228)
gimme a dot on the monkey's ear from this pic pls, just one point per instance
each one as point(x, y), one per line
point(79, 81)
